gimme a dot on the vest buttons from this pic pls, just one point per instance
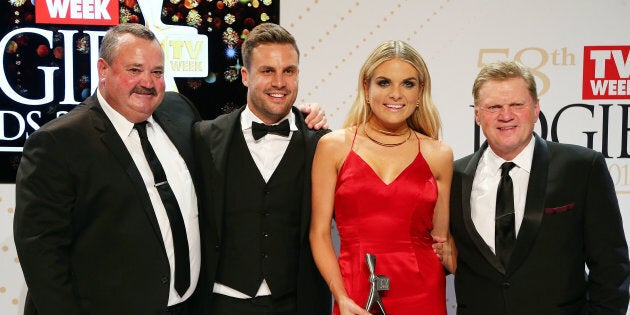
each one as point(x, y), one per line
point(164, 280)
point(266, 235)
point(264, 255)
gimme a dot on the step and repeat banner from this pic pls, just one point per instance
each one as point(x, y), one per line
point(578, 51)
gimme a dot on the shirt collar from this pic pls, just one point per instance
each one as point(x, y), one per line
point(247, 116)
point(523, 160)
point(121, 124)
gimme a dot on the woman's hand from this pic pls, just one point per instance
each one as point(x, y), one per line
point(348, 307)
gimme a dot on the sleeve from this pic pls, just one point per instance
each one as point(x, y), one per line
point(605, 244)
point(43, 224)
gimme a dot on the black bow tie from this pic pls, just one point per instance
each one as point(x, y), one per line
point(260, 130)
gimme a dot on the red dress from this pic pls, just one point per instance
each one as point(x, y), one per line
point(393, 222)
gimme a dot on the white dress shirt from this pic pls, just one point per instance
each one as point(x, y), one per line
point(484, 190)
point(180, 181)
point(267, 153)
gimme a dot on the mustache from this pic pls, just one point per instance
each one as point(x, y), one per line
point(142, 90)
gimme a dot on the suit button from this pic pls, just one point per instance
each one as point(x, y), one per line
point(164, 280)
point(264, 255)
point(217, 247)
point(506, 285)
point(266, 235)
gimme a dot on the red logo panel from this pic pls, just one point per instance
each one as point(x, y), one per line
point(606, 72)
point(85, 12)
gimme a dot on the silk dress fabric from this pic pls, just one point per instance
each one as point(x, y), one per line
point(394, 222)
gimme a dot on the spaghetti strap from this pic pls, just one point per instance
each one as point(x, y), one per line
point(417, 138)
point(355, 137)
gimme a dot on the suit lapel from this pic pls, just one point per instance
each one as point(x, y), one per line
point(179, 132)
point(309, 151)
point(219, 139)
point(534, 204)
point(467, 182)
point(112, 141)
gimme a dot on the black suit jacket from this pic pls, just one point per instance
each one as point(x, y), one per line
point(85, 230)
point(571, 219)
point(212, 140)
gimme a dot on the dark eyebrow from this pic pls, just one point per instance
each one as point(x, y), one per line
point(406, 79)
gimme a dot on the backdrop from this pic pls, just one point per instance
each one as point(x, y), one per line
point(578, 50)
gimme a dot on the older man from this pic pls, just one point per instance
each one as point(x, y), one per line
point(528, 215)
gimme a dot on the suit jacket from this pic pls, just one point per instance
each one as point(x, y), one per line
point(571, 219)
point(85, 230)
point(212, 140)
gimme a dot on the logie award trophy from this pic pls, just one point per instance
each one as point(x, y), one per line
point(378, 283)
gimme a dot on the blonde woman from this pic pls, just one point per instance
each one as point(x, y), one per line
point(385, 178)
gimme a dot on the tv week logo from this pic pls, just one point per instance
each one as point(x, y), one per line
point(606, 72)
point(80, 12)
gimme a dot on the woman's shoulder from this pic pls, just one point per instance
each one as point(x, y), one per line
point(435, 148)
point(338, 137)
point(435, 144)
point(336, 144)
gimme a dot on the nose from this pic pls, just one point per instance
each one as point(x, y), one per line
point(278, 80)
point(506, 113)
point(394, 93)
point(147, 79)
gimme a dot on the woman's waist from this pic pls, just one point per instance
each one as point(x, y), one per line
point(365, 246)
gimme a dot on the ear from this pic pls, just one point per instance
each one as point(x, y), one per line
point(537, 110)
point(476, 115)
point(101, 67)
point(245, 76)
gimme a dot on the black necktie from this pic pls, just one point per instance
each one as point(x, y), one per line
point(504, 235)
point(260, 130)
point(178, 229)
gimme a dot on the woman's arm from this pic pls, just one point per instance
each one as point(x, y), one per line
point(441, 163)
point(328, 158)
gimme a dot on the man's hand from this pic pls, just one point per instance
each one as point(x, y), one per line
point(316, 117)
point(446, 251)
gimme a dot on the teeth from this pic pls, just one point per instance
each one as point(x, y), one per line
point(276, 95)
point(394, 106)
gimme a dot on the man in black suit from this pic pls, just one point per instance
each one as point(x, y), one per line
point(255, 192)
point(91, 230)
point(561, 214)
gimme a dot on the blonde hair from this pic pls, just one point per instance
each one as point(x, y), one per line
point(425, 119)
point(501, 71)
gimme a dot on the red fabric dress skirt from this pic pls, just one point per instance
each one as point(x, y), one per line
point(393, 222)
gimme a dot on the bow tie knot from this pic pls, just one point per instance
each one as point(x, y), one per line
point(260, 130)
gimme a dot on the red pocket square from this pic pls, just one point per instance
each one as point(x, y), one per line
point(560, 209)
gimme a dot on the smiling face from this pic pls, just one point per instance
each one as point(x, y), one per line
point(393, 93)
point(272, 81)
point(506, 112)
point(133, 84)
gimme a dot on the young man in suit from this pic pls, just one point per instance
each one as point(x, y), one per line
point(524, 237)
point(255, 206)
